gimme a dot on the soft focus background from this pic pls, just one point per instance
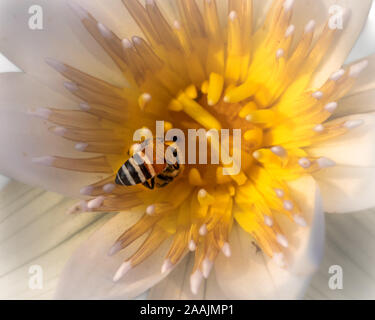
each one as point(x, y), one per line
point(34, 230)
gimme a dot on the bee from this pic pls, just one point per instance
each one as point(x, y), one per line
point(139, 170)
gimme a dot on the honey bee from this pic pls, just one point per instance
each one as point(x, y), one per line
point(139, 170)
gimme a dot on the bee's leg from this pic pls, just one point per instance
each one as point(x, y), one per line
point(153, 183)
point(176, 166)
point(147, 185)
point(150, 184)
point(163, 180)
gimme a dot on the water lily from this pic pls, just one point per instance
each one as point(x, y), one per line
point(102, 69)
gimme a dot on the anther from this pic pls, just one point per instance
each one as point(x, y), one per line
point(331, 107)
point(319, 128)
point(299, 220)
point(87, 191)
point(317, 95)
point(60, 131)
point(226, 99)
point(288, 205)
point(352, 124)
point(203, 230)
point(310, 26)
point(95, 203)
point(233, 15)
point(57, 65)
point(304, 163)
point(115, 248)
point(177, 25)
point(279, 259)
point(256, 155)
point(268, 221)
point(109, 187)
point(124, 268)
point(126, 43)
point(167, 266)
point(207, 265)
point(104, 31)
point(195, 281)
point(226, 250)
point(356, 69)
point(81, 146)
point(336, 76)
point(280, 193)
point(82, 13)
point(202, 193)
point(249, 118)
point(289, 31)
point(282, 240)
point(288, 4)
point(325, 163)
point(279, 53)
point(192, 246)
point(150, 210)
point(84, 106)
point(279, 151)
point(70, 86)
point(137, 40)
point(144, 99)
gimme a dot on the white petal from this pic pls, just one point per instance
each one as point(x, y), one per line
point(361, 102)
point(23, 137)
point(3, 182)
point(260, 8)
point(89, 273)
point(318, 10)
point(34, 230)
point(23, 92)
point(289, 286)
point(349, 186)
point(341, 48)
point(6, 65)
point(244, 275)
point(112, 14)
point(212, 289)
point(177, 285)
point(355, 148)
point(349, 245)
point(366, 80)
point(347, 189)
point(305, 249)
point(63, 38)
point(250, 275)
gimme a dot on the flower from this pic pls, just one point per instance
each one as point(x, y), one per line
point(280, 82)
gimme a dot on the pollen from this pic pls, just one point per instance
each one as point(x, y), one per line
point(203, 71)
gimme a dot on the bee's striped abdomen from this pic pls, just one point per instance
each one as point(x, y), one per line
point(133, 172)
